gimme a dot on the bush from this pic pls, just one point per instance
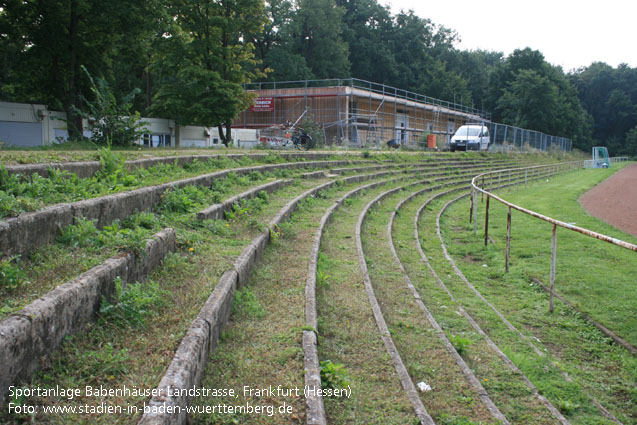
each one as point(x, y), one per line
point(112, 122)
point(314, 130)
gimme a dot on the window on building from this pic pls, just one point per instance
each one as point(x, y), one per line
point(156, 140)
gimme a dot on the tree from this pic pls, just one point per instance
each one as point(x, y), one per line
point(367, 29)
point(529, 101)
point(630, 148)
point(274, 46)
point(477, 68)
point(205, 61)
point(112, 123)
point(53, 39)
point(317, 37)
point(610, 96)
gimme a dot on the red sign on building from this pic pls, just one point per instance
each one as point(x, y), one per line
point(263, 104)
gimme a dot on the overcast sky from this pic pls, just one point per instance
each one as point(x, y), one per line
point(570, 33)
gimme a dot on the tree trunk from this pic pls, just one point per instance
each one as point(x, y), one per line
point(226, 137)
point(68, 88)
point(73, 117)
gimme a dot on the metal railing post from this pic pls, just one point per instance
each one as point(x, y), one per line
point(553, 258)
point(486, 222)
point(471, 204)
point(475, 215)
point(506, 263)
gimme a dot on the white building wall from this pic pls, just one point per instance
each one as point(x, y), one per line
point(23, 124)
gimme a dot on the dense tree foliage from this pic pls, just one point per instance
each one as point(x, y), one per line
point(205, 62)
point(44, 43)
point(526, 91)
point(610, 96)
point(189, 58)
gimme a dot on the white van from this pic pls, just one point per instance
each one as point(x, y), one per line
point(470, 137)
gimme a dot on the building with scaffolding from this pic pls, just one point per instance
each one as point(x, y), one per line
point(356, 113)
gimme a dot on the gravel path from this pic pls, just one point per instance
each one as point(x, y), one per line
point(615, 200)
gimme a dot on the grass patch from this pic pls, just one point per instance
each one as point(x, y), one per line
point(132, 304)
point(593, 274)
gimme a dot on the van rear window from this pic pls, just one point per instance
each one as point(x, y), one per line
point(468, 131)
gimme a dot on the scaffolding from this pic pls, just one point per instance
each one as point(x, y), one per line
point(358, 113)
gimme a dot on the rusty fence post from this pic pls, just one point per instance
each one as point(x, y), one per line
point(482, 194)
point(473, 191)
point(486, 222)
point(506, 264)
point(475, 214)
point(553, 258)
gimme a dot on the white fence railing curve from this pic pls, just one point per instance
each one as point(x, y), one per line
point(483, 183)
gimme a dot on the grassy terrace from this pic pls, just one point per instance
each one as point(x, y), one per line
point(205, 249)
point(83, 246)
point(116, 352)
point(18, 195)
point(10, 156)
point(505, 387)
point(134, 337)
point(595, 276)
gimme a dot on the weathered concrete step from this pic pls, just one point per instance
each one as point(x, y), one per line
point(20, 235)
point(84, 169)
point(217, 211)
point(188, 364)
point(40, 327)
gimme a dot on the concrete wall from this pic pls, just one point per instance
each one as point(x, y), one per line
point(20, 235)
point(41, 326)
point(28, 125)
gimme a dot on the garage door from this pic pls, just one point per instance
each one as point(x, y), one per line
point(21, 133)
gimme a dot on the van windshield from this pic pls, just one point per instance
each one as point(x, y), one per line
point(468, 131)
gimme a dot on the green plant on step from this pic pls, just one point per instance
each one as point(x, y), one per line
point(333, 375)
point(460, 343)
point(133, 304)
point(11, 276)
point(247, 304)
point(81, 234)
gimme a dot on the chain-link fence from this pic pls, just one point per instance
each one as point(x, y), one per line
point(357, 113)
point(505, 137)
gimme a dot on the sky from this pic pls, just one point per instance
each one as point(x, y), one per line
point(571, 34)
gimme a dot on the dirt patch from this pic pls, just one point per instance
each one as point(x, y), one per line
point(471, 259)
point(614, 200)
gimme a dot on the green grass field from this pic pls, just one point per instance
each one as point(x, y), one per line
point(595, 276)
point(134, 338)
